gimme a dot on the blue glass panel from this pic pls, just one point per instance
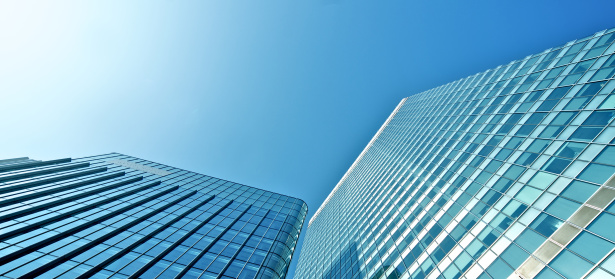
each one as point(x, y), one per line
point(563, 118)
point(599, 118)
point(604, 74)
point(558, 93)
point(530, 240)
point(609, 263)
point(546, 224)
point(525, 130)
point(585, 133)
point(536, 118)
point(562, 207)
point(526, 158)
point(498, 268)
point(590, 89)
point(563, 264)
point(579, 191)
point(590, 246)
point(603, 225)
point(610, 62)
point(582, 66)
point(514, 255)
point(607, 156)
point(547, 273)
point(551, 131)
point(556, 165)
point(538, 145)
point(547, 105)
point(577, 103)
point(597, 173)
point(570, 149)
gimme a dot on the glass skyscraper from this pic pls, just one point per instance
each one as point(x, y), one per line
point(116, 216)
point(504, 174)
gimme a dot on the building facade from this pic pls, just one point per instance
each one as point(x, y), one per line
point(504, 174)
point(116, 216)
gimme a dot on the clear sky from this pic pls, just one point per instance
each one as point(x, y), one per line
point(280, 95)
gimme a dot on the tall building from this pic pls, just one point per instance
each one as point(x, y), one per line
point(504, 174)
point(122, 217)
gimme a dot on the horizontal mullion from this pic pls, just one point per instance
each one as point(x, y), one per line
point(67, 199)
point(60, 188)
point(15, 187)
point(30, 174)
point(33, 164)
point(26, 250)
point(44, 268)
point(68, 214)
point(53, 193)
point(78, 197)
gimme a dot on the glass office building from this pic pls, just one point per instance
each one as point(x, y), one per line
point(116, 216)
point(504, 174)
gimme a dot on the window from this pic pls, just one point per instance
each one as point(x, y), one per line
point(599, 118)
point(581, 67)
point(590, 246)
point(579, 191)
point(562, 208)
point(585, 133)
point(562, 264)
point(546, 224)
point(556, 165)
point(530, 240)
point(607, 156)
point(558, 93)
point(597, 173)
point(603, 225)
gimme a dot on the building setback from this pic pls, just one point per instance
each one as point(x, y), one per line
point(122, 217)
point(504, 174)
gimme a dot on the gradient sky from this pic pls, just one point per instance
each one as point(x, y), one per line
point(280, 95)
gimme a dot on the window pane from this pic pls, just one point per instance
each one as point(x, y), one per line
point(609, 263)
point(547, 273)
point(570, 149)
point(558, 93)
point(538, 145)
point(562, 264)
point(556, 165)
point(597, 173)
point(582, 66)
point(514, 255)
point(546, 224)
point(528, 194)
point(562, 208)
point(609, 103)
point(536, 118)
point(585, 133)
point(579, 191)
point(563, 118)
point(542, 180)
point(530, 240)
point(577, 103)
point(599, 118)
point(603, 74)
point(590, 246)
point(590, 89)
point(547, 105)
point(603, 225)
point(607, 156)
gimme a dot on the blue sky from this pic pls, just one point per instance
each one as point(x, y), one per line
point(281, 95)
